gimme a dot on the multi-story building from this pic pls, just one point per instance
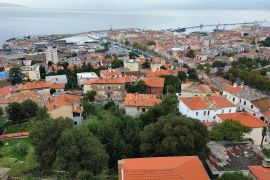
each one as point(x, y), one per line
point(154, 85)
point(194, 89)
point(205, 109)
point(81, 77)
point(107, 88)
point(249, 100)
point(51, 55)
point(135, 104)
point(31, 72)
point(132, 64)
point(67, 106)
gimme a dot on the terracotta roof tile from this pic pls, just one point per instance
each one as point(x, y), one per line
point(15, 135)
point(262, 104)
point(141, 100)
point(260, 172)
point(63, 100)
point(155, 82)
point(245, 119)
point(41, 85)
point(110, 72)
point(20, 97)
point(233, 90)
point(210, 102)
point(164, 168)
point(121, 80)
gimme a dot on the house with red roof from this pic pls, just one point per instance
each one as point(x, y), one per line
point(258, 172)
point(154, 85)
point(135, 104)
point(249, 100)
point(41, 98)
point(67, 106)
point(108, 88)
point(41, 86)
point(110, 73)
point(161, 168)
point(247, 120)
point(205, 109)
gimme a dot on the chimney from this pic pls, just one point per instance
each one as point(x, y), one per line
point(242, 85)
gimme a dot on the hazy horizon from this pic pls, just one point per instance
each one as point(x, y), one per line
point(143, 4)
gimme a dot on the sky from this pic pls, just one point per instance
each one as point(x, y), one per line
point(145, 4)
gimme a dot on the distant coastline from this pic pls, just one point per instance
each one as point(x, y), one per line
point(10, 5)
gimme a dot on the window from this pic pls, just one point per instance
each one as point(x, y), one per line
point(143, 109)
point(109, 88)
point(204, 113)
point(197, 113)
point(233, 99)
point(214, 117)
point(251, 106)
point(254, 114)
point(208, 112)
point(240, 100)
point(245, 102)
point(222, 111)
point(230, 110)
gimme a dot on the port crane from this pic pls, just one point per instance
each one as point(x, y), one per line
point(201, 26)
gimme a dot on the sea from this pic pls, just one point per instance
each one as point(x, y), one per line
point(17, 22)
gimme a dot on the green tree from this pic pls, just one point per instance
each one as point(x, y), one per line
point(219, 64)
point(235, 175)
point(80, 154)
point(174, 135)
point(16, 76)
point(117, 64)
point(42, 71)
point(31, 159)
point(192, 74)
point(133, 55)
point(167, 106)
point(42, 114)
point(182, 76)
point(172, 84)
point(146, 64)
point(90, 96)
point(228, 130)
point(15, 113)
point(118, 132)
point(52, 91)
point(45, 136)
point(138, 87)
point(29, 109)
point(151, 43)
point(191, 54)
point(3, 124)
point(264, 131)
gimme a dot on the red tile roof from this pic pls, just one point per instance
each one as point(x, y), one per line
point(210, 102)
point(4, 91)
point(110, 72)
point(260, 172)
point(162, 168)
point(20, 97)
point(41, 85)
point(15, 135)
point(244, 118)
point(161, 72)
point(120, 80)
point(154, 82)
point(266, 114)
point(233, 90)
point(141, 100)
point(63, 100)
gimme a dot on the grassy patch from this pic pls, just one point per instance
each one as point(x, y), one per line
point(14, 155)
point(24, 127)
